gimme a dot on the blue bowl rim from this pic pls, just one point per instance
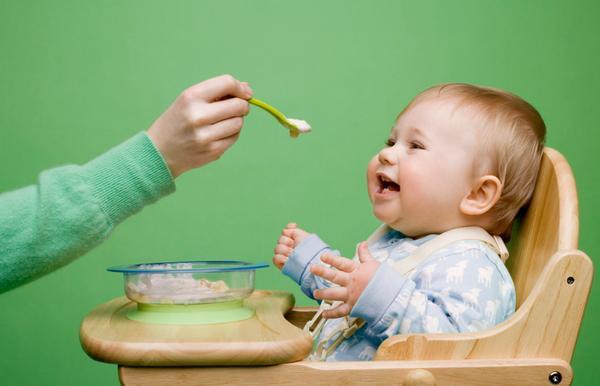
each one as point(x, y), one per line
point(241, 266)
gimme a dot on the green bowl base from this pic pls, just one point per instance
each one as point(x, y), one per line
point(212, 313)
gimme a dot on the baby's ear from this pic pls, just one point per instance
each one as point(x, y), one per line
point(482, 197)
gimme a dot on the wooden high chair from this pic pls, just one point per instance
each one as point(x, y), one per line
point(533, 347)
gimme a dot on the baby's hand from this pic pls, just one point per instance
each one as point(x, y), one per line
point(351, 276)
point(291, 236)
point(203, 122)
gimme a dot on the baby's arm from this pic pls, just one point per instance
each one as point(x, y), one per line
point(463, 292)
point(295, 251)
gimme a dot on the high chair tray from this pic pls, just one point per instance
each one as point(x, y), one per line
point(266, 338)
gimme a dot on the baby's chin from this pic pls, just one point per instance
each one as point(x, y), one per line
point(397, 223)
point(388, 220)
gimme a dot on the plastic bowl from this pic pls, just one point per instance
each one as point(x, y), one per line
point(188, 282)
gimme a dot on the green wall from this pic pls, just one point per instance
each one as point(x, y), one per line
point(78, 77)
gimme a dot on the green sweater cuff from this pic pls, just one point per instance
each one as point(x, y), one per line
point(128, 177)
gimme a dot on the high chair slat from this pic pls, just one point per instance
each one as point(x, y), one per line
point(550, 223)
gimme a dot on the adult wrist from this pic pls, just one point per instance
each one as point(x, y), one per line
point(129, 176)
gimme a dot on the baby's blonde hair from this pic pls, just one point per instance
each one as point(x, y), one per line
point(512, 141)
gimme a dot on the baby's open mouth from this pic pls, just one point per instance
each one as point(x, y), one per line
point(387, 185)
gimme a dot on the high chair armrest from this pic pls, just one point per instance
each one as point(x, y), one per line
point(545, 326)
point(298, 316)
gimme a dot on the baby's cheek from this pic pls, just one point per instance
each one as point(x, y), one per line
point(371, 168)
point(420, 191)
point(412, 180)
point(371, 178)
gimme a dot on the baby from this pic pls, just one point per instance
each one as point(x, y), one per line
point(459, 157)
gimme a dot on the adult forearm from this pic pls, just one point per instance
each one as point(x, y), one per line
point(45, 226)
point(72, 209)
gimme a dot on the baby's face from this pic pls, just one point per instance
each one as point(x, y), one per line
point(418, 180)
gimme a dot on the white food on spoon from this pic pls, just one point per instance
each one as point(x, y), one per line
point(302, 126)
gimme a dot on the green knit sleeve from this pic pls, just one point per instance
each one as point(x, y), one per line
point(73, 208)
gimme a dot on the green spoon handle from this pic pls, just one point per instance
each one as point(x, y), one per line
point(268, 108)
point(277, 114)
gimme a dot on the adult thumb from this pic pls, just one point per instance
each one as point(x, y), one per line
point(363, 252)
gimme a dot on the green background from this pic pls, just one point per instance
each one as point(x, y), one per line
point(77, 78)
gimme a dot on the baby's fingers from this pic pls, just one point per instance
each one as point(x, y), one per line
point(279, 260)
point(333, 293)
point(334, 276)
point(286, 241)
point(284, 250)
point(339, 262)
point(338, 312)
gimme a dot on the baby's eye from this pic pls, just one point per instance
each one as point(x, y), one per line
point(390, 142)
point(416, 145)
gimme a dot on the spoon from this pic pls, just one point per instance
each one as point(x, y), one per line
point(295, 126)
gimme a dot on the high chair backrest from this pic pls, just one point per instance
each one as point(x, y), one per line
point(549, 224)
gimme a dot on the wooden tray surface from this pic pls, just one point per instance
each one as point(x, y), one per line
point(107, 335)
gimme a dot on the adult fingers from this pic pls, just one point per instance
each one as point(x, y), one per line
point(219, 87)
point(332, 275)
point(248, 89)
point(338, 262)
point(219, 130)
point(221, 110)
point(338, 312)
point(218, 147)
point(333, 293)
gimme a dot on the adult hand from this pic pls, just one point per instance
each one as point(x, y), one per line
point(351, 277)
point(203, 122)
point(290, 237)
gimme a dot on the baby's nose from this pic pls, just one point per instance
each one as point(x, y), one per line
point(387, 156)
